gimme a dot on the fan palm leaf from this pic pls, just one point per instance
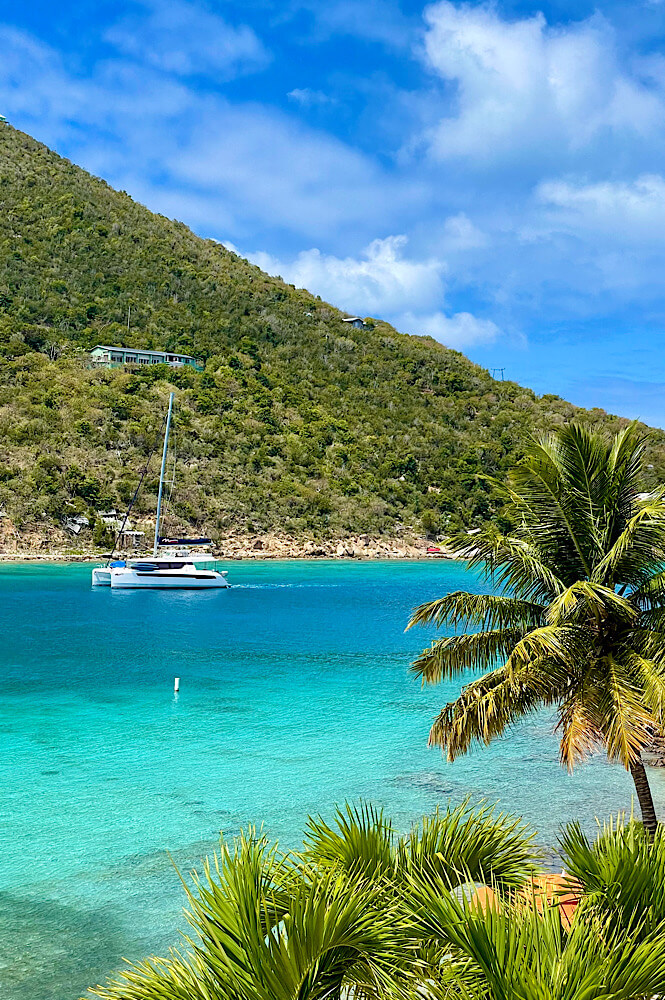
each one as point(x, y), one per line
point(265, 929)
point(503, 952)
point(360, 841)
point(622, 872)
point(465, 843)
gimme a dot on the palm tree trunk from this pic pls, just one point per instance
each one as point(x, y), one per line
point(649, 820)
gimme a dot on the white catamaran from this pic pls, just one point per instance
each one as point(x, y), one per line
point(178, 568)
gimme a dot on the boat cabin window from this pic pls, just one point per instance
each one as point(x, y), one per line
point(149, 567)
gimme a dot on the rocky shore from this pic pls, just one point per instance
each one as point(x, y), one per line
point(273, 546)
point(654, 755)
point(40, 543)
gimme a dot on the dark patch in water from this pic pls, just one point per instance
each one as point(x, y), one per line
point(49, 772)
point(53, 952)
point(427, 780)
point(229, 705)
point(409, 706)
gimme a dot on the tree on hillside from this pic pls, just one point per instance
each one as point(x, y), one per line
point(581, 628)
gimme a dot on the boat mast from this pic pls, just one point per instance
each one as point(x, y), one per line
point(161, 475)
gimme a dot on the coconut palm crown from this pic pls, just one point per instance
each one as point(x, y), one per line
point(580, 626)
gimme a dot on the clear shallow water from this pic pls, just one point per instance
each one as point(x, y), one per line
point(294, 696)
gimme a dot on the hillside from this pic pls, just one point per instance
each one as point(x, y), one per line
point(298, 424)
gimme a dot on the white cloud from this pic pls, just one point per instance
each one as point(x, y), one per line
point(621, 211)
point(186, 39)
point(461, 330)
point(381, 21)
point(380, 282)
point(280, 173)
point(529, 238)
point(229, 169)
point(525, 89)
point(383, 283)
point(460, 233)
point(309, 98)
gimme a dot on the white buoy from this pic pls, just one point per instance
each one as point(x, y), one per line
point(176, 685)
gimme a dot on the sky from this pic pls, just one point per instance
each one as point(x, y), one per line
point(488, 174)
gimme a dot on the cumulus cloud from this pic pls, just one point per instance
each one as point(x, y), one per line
point(186, 39)
point(544, 195)
point(384, 283)
point(379, 282)
point(461, 330)
point(525, 88)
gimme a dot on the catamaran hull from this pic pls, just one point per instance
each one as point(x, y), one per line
point(101, 577)
point(128, 579)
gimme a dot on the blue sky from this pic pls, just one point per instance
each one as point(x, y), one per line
point(490, 174)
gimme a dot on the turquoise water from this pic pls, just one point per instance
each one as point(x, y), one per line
point(294, 696)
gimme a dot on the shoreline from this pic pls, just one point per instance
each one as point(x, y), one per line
point(237, 547)
point(26, 558)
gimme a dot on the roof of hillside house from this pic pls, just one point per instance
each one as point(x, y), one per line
point(143, 350)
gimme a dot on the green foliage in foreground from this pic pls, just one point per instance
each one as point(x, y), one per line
point(583, 630)
point(362, 914)
point(297, 423)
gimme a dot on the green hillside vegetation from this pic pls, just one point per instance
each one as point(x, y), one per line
point(297, 424)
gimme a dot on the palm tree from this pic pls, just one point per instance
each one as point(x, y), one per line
point(333, 922)
point(581, 628)
point(363, 914)
point(621, 872)
point(523, 950)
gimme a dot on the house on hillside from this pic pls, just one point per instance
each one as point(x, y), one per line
point(130, 540)
point(112, 357)
point(355, 321)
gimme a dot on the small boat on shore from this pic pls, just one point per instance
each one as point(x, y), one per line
point(173, 564)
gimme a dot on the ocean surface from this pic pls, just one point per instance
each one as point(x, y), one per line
point(294, 695)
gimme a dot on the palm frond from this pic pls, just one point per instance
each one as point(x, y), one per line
point(559, 519)
point(510, 562)
point(627, 724)
point(361, 841)
point(625, 478)
point(521, 951)
point(649, 677)
point(581, 733)
point(470, 843)
point(650, 594)
point(561, 645)
point(488, 706)
point(455, 654)
point(622, 872)
point(639, 551)
point(177, 977)
point(585, 600)
point(490, 611)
